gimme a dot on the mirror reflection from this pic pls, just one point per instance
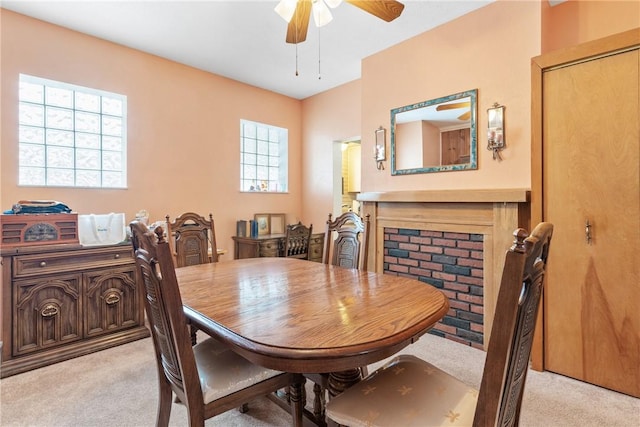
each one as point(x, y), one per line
point(435, 135)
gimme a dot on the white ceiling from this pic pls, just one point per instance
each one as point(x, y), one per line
point(245, 40)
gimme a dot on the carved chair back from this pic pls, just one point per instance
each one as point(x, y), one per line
point(509, 350)
point(193, 238)
point(296, 240)
point(346, 241)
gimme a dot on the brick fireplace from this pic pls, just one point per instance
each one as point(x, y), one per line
point(452, 262)
point(454, 240)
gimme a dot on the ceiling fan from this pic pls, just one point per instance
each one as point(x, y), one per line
point(297, 13)
point(454, 106)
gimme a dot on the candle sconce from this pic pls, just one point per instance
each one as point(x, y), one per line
point(380, 154)
point(495, 130)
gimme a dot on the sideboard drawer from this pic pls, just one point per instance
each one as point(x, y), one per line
point(270, 248)
point(30, 265)
point(316, 246)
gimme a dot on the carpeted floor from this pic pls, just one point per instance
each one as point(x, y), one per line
point(118, 387)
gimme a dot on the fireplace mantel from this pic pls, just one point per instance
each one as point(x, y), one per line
point(518, 195)
point(493, 213)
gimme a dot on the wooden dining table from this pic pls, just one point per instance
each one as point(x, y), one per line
point(306, 317)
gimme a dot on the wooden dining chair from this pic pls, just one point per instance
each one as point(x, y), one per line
point(296, 240)
point(193, 239)
point(208, 378)
point(346, 241)
point(409, 391)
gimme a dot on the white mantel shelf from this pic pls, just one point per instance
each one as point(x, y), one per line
point(512, 195)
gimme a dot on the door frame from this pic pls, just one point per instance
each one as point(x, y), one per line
point(627, 40)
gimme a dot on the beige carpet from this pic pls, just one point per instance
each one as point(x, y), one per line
point(117, 387)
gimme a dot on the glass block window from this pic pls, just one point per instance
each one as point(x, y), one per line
point(263, 157)
point(70, 136)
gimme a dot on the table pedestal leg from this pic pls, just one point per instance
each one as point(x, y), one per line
point(340, 381)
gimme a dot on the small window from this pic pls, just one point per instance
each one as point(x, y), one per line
point(263, 157)
point(70, 136)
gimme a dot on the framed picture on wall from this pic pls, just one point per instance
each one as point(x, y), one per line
point(264, 223)
point(277, 223)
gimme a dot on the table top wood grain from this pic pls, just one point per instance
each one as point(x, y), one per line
point(301, 316)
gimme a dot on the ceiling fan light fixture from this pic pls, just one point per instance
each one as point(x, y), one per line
point(298, 23)
point(321, 14)
point(286, 9)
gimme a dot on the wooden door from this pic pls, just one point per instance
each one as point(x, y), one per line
point(591, 173)
point(450, 153)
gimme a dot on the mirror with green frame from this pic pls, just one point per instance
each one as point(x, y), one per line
point(436, 135)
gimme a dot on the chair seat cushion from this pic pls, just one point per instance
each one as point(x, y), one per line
point(223, 372)
point(407, 391)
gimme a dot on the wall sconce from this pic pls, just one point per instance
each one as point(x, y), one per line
point(495, 130)
point(380, 152)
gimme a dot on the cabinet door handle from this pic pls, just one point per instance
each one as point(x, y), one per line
point(43, 264)
point(587, 232)
point(49, 310)
point(112, 299)
point(117, 256)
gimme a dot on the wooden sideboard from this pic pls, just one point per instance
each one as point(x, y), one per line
point(64, 301)
point(272, 245)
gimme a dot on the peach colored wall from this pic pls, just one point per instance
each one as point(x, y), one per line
point(578, 21)
point(468, 53)
point(333, 115)
point(183, 128)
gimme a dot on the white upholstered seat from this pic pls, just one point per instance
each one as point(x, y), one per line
point(223, 372)
point(407, 391)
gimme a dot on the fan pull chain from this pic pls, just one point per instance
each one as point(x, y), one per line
point(319, 73)
point(296, 38)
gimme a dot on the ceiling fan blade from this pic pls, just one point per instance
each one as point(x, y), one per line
point(465, 116)
point(453, 106)
point(387, 10)
point(297, 29)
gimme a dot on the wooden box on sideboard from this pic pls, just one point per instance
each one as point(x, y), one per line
point(38, 229)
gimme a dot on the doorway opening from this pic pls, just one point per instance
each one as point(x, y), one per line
point(347, 162)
